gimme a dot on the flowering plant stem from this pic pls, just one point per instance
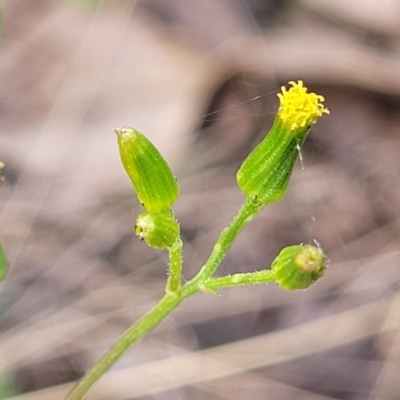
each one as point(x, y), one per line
point(176, 293)
point(263, 178)
point(175, 266)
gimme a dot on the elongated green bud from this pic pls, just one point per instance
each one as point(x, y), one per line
point(158, 229)
point(152, 179)
point(298, 267)
point(265, 173)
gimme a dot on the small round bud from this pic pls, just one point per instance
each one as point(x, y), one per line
point(159, 229)
point(298, 267)
point(151, 176)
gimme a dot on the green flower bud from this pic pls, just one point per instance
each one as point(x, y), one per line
point(152, 179)
point(159, 230)
point(298, 267)
point(265, 173)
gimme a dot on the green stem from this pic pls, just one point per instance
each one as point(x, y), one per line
point(139, 329)
point(3, 263)
point(175, 266)
point(174, 296)
point(242, 279)
point(247, 212)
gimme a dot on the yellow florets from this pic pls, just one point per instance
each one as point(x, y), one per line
point(310, 259)
point(298, 108)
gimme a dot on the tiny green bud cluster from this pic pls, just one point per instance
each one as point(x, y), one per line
point(155, 186)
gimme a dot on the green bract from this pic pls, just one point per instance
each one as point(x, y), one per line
point(154, 183)
point(159, 230)
point(265, 173)
point(297, 267)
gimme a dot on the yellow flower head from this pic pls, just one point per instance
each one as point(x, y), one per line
point(310, 259)
point(298, 108)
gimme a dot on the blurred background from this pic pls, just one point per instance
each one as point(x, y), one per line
point(200, 79)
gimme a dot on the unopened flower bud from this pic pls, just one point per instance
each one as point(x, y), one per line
point(158, 229)
point(298, 267)
point(151, 176)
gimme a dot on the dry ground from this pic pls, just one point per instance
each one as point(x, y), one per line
point(200, 79)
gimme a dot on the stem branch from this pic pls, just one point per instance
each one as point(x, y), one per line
point(242, 279)
point(247, 212)
point(175, 294)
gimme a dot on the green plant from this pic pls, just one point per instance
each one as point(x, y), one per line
point(6, 387)
point(3, 261)
point(263, 178)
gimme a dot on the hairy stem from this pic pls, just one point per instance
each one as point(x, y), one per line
point(175, 266)
point(174, 296)
point(242, 279)
point(247, 212)
point(139, 329)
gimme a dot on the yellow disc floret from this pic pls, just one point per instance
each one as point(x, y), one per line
point(299, 109)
